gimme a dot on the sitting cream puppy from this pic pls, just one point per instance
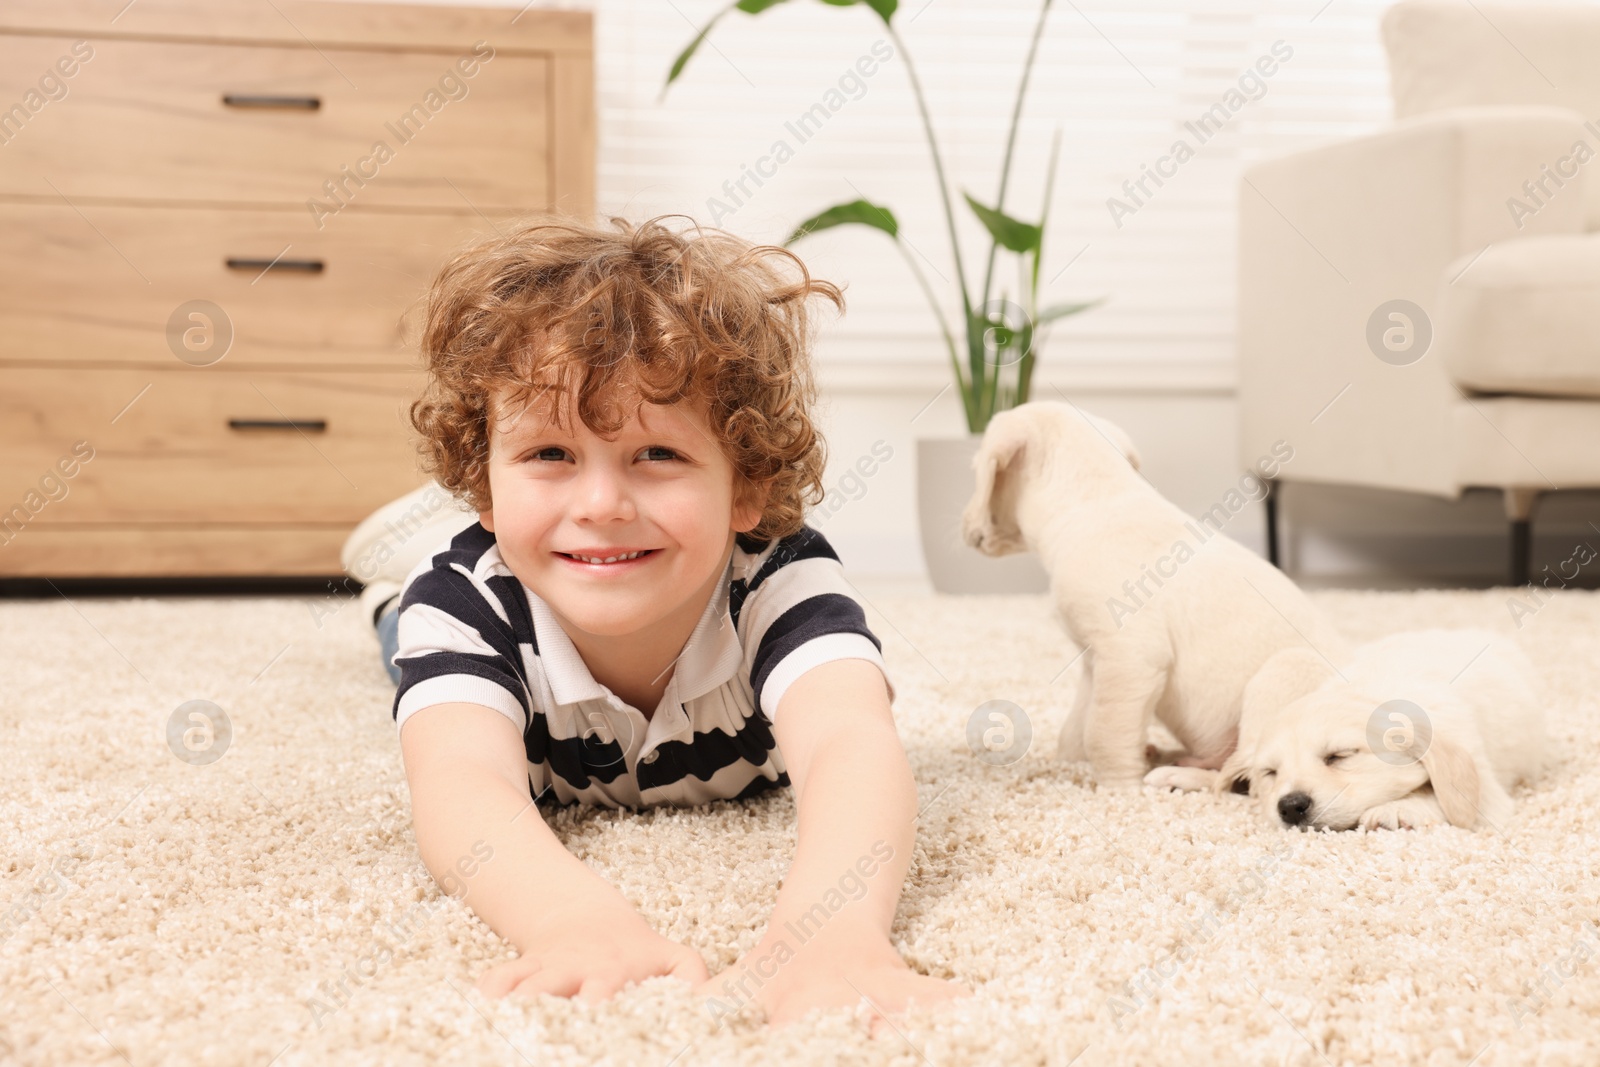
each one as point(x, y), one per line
point(1416, 730)
point(1175, 616)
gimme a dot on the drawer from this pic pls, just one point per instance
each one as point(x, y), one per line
point(147, 119)
point(202, 445)
point(171, 551)
point(107, 284)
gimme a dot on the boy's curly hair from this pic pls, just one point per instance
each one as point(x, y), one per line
point(642, 312)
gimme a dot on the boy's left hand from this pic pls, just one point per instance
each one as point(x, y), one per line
point(837, 966)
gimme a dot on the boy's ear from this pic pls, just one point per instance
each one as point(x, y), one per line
point(749, 504)
point(486, 517)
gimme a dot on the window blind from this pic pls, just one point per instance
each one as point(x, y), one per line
point(1123, 79)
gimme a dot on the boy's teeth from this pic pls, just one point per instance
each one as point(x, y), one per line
point(608, 559)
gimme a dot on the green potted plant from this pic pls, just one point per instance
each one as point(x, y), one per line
point(993, 363)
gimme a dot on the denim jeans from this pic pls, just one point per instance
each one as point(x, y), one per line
point(389, 640)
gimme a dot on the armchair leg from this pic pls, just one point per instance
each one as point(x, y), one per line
point(1519, 509)
point(1271, 500)
point(1521, 546)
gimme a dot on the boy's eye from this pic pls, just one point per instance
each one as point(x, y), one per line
point(555, 454)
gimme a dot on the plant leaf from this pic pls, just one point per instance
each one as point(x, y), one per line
point(1061, 311)
point(1044, 209)
point(855, 212)
point(749, 7)
point(684, 56)
point(884, 8)
point(1014, 234)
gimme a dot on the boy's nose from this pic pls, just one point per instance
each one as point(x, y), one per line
point(603, 494)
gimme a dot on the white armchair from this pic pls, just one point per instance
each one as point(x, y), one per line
point(1419, 309)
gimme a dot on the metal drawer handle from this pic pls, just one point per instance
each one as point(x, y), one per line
point(296, 103)
point(314, 425)
point(307, 266)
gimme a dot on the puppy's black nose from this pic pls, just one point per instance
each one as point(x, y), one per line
point(1292, 808)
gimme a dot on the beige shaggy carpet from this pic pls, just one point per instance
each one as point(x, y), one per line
point(157, 911)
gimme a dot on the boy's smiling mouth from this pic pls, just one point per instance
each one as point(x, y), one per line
point(609, 558)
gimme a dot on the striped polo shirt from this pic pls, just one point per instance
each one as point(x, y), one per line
point(470, 631)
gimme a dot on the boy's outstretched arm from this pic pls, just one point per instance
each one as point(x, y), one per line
point(827, 942)
point(483, 840)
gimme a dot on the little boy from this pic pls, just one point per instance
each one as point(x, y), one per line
point(638, 615)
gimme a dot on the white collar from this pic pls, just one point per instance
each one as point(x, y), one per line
point(709, 658)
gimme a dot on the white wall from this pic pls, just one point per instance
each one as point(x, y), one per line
point(1120, 78)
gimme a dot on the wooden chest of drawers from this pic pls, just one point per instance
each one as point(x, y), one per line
point(218, 220)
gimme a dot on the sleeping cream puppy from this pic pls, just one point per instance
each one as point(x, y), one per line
point(1175, 616)
point(1418, 729)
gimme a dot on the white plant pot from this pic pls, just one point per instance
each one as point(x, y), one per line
point(944, 485)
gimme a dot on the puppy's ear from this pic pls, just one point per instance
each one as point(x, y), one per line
point(988, 522)
point(1234, 775)
point(1286, 676)
point(1456, 784)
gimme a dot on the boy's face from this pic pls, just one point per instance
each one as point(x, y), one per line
point(663, 486)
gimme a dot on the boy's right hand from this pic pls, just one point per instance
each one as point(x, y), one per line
point(593, 954)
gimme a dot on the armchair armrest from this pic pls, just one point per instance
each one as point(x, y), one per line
point(1330, 235)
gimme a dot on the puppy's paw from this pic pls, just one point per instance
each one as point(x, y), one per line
point(1407, 813)
point(1183, 779)
point(1382, 817)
